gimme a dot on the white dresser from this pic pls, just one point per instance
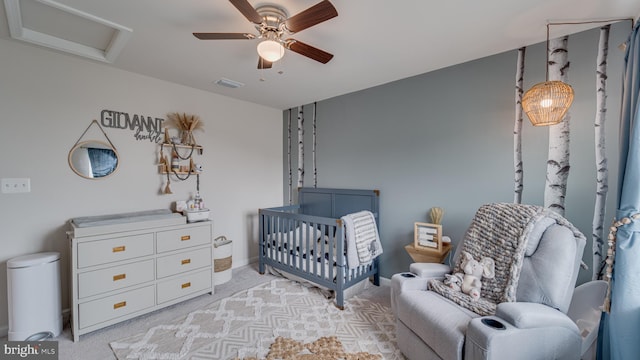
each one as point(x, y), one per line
point(120, 271)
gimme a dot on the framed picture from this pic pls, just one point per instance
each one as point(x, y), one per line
point(428, 237)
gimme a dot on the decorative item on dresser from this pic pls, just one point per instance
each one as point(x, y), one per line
point(125, 265)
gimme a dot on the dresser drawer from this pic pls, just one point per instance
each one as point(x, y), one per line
point(184, 285)
point(111, 307)
point(114, 278)
point(115, 249)
point(183, 262)
point(183, 238)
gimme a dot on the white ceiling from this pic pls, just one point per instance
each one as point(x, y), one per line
point(374, 41)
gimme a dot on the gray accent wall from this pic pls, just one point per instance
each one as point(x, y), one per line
point(445, 138)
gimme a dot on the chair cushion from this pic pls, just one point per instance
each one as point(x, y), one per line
point(430, 270)
point(437, 321)
point(548, 275)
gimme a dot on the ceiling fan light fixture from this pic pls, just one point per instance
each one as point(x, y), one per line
point(270, 50)
point(272, 22)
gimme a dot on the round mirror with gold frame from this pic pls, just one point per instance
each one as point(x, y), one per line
point(93, 159)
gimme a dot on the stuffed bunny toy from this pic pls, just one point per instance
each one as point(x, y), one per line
point(473, 272)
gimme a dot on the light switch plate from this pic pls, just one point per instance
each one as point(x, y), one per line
point(16, 185)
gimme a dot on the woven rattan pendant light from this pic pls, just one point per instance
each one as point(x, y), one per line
point(546, 103)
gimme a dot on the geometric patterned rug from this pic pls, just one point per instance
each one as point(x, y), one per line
point(246, 324)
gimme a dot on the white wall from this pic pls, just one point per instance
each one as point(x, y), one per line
point(48, 99)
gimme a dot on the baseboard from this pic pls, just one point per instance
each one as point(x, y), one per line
point(244, 262)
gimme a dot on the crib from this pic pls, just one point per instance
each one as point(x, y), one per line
point(307, 240)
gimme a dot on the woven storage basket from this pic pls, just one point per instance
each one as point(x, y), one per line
point(222, 260)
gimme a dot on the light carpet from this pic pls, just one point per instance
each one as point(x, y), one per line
point(247, 323)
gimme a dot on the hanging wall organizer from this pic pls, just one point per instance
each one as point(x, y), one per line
point(177, 153)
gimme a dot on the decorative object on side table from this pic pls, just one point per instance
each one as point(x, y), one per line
point(429, 245)
point(427, 236)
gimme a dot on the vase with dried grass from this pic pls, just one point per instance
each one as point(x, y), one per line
point(186, 125)
point(436, 214)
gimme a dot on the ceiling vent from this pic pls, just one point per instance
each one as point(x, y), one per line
point(229, 83)
point(60, 27)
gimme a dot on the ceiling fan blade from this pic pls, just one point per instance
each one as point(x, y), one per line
point(316, 14)
point(264, 64)
point(224, 36)
point(308, 51)
point(247, 10)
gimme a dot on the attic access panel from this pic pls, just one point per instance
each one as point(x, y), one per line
point(60, 27)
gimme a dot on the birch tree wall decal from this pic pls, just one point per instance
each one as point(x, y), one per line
point(289, 158)
point(313, 150)
point(517, 129)
point(300, 146)
point(602, 172)
point(558, 158)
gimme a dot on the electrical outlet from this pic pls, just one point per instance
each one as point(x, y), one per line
point(12, 186)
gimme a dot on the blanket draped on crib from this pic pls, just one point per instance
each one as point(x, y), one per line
point(363, 240)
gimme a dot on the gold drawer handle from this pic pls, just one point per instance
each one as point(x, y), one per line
point(119, 277)
point(118, 249)
point(186, 285)
point(119, 305)
point(185, 261)
point(185, 237)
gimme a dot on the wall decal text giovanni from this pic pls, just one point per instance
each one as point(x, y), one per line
point(144, 127)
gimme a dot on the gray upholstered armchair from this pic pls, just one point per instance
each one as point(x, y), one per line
point(522, 311)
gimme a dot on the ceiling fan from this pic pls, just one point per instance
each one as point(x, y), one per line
point(272, 23)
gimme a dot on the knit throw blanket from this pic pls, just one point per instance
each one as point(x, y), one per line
point(498, 231)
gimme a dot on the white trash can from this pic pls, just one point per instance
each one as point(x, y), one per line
point(33, 292)
point(222, 260)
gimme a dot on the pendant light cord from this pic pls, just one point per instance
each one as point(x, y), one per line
point(579, 23)
point(546, 75)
